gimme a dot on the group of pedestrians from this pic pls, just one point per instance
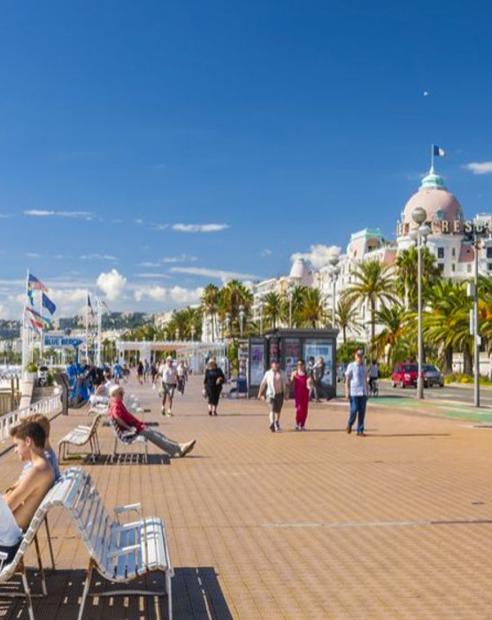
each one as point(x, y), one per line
point(275, 388)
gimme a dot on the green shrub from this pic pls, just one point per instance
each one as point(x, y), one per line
point(385, 371)
point(32, 367)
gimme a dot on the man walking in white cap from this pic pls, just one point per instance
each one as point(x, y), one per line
point(169, 378)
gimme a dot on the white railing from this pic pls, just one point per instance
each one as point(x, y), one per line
point(47, 406)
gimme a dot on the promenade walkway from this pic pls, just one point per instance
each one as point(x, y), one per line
point(314, 525)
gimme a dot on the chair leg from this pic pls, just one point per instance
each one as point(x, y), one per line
point(87, 586)
point(27, 592)
point(50, 544)
point(169, 596)
point(41, 568)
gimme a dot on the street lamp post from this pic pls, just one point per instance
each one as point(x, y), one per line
point(476, 337)
point(290, 293)
point(420, 235)
point(193, 331)
point(241, 320)
point(176, 334)
point(260, 309)
point(228, 323)
point(334, 273)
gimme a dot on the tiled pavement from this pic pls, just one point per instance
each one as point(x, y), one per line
point(397, 525)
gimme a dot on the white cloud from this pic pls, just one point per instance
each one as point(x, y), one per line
point(33, 255)
point(176, 294)
point(319, 255)
point(139, 220)
point(98, 257)
point(111, 284)
point(160, 226)
point(199, 228)
point(157, 276)
point(266, 252)
point(69, 214)
point(182, 258)
point(218, 274)
point(479, 167)
point(149, 263)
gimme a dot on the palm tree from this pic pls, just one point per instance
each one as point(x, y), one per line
point(313, 310)
point(232, 296)
point(406, 274)
point(392, 339)
point(346, 318)
point(297, 303)
point(273, 308)
point(210, 304)
point(373, 284)
point(446, 322)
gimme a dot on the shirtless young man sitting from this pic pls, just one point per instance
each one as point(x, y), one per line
point(18, 504)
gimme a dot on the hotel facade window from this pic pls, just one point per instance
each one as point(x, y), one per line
point(440, 252)
point(440, 266)
point(453, 252)
point(489, 252)
point(489, 266)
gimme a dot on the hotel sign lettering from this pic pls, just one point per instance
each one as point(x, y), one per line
point(468, 228)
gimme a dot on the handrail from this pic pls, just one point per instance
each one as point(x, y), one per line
point(49, 407)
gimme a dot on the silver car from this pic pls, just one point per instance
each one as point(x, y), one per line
point(432, 376)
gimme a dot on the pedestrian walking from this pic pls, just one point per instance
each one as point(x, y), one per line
point(318, 374)
point(181, 372)
point(302, 387)
point(169, 380)
point(153, 373)
point(373, 377)
point(273, 389)
point(213, 381)
point(356, 378)
point(140, 372)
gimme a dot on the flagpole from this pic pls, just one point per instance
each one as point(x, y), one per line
point(99, 324)
point(41, 344)
point(87, 327)
point(432, 158)
point(25, 343)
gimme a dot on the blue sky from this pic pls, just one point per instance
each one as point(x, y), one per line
point(285, 124)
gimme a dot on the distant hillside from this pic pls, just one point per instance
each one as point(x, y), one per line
point(110, 320)
point(9, 329)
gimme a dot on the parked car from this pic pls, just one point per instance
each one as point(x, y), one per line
point(405, 375)
point(432, 376)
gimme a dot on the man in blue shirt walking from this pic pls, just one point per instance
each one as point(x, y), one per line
point(356, 378)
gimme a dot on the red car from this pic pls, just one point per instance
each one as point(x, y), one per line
point(405, 375)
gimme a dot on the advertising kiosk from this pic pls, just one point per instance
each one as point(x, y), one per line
point(289, 345)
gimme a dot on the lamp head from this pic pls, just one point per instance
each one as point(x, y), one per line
point(419, 215)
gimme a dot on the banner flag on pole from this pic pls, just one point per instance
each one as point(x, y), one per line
point(35, 324)
point(36, 284)
point(41, 320)
point(91, 309)
point(438, 151)
point(30, 294)
point(48, 304)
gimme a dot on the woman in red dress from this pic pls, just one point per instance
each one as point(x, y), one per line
point(302, 387)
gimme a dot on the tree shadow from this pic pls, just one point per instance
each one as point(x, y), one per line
point(376, 434)
point(196, 594)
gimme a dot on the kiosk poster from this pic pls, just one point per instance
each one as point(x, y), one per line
point(257, 363)
point(274, 350)
point(322, 352)
point(292, 354)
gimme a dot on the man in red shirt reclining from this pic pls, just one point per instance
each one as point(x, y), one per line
point(125, 420)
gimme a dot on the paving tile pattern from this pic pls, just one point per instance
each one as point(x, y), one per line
point(320, 524)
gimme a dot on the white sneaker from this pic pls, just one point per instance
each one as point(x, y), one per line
point(186, 448)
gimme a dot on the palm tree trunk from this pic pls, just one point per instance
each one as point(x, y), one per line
point(448, 357)
point(344, 332)
point(467, 360)
point(373, 323)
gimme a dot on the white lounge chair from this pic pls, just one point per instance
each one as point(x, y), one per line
point(127, 437)
point(81, 436)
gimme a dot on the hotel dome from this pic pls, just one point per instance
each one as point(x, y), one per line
point(439, 204)
point(301, 271)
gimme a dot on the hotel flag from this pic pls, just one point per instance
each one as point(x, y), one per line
point(436, 151)
point(91, 309)
point(36, 284)
point(35, 324)
point(48, 304)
